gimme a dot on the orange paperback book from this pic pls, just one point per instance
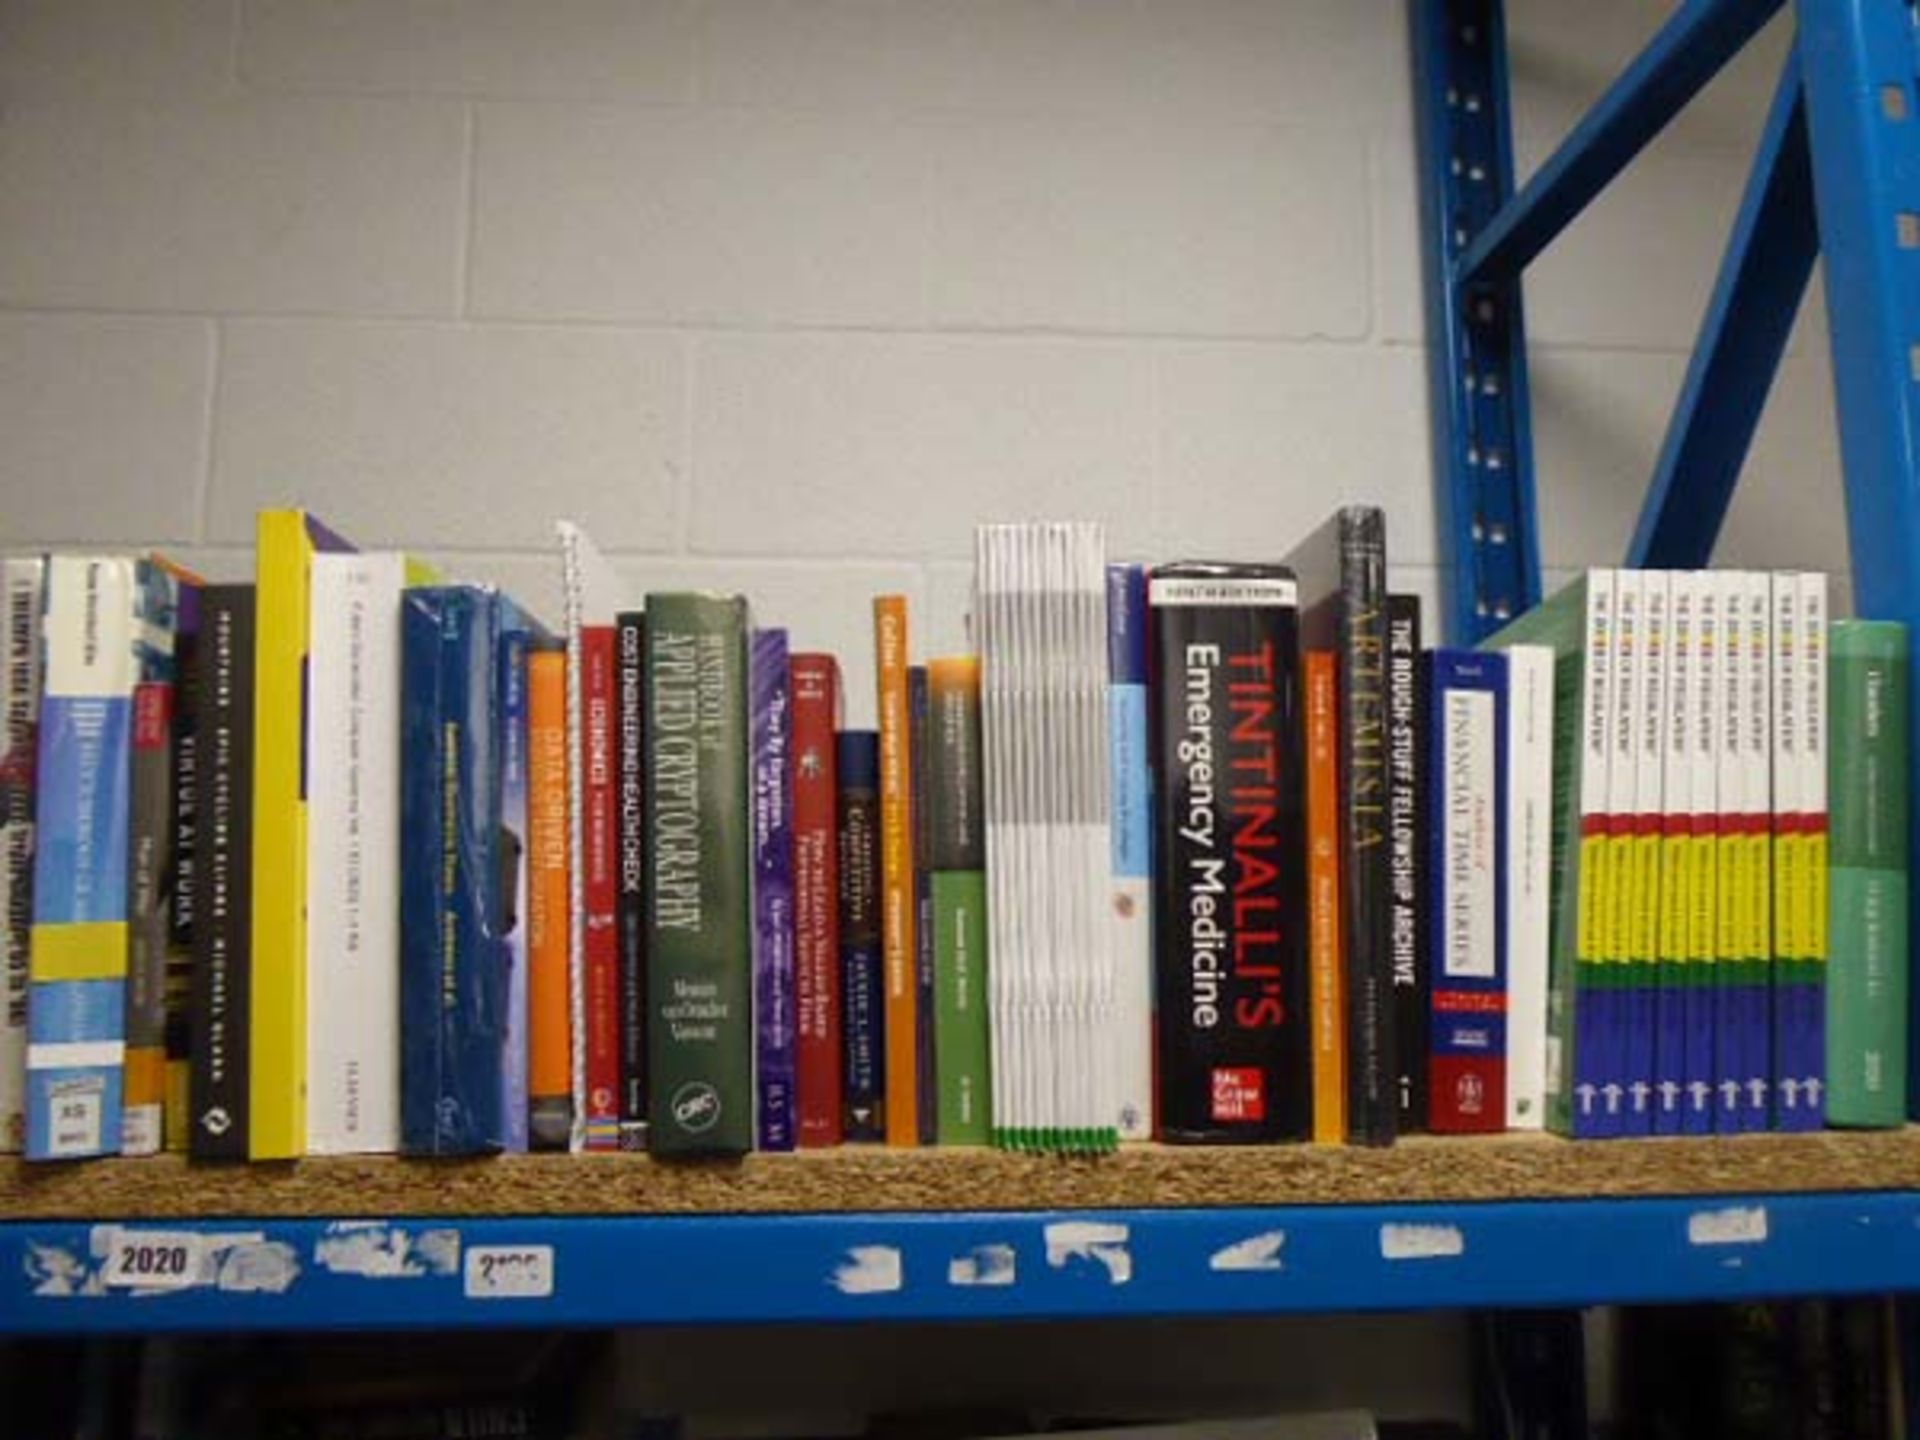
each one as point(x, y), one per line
point(898, 900)
point(549, 1003)
point(1326, 949)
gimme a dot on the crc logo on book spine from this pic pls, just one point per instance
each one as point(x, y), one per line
point(1470, 1093)
point(696, 1107)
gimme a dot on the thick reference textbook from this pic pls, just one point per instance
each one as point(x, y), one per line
point(354, 854)
point(699, 909)
point(862, 982)
point(1577, 625)
point(1236, 1051)
point(1466, 801)
point(221, 1038)
point(549, 913)
point(1407, 926)
point(898, 904)
point(453, 982)
point(1869, 988)
point(815, 679)
point(1129, 738)
point(1342, 574)
point(770, 761)
point(957, 864)
point(629, 729)
point(108, 626)
point(23, 596)
point(286, 543)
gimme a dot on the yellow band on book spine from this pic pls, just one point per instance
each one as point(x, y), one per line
point(1702, 915)
point(1672, 944)
point(91, 950)
point(1593, 897)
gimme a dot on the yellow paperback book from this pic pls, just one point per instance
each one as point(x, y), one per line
point(287, 541)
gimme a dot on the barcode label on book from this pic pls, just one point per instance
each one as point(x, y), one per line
point(509, 1272)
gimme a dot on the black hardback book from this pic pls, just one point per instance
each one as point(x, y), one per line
point(1406, 760)
point(1230, 934)
point(223, 873)
point(1342, 570)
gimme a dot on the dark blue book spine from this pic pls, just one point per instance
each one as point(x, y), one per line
point(453, 984)
point(516, 637)
point(775, 1021)
point(857, 762)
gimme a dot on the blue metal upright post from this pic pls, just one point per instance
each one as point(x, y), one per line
point(1476, 366)
point(1859, 61)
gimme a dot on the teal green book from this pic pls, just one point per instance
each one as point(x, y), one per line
point(956, 858)
point(1867, 879)
point(698, 893)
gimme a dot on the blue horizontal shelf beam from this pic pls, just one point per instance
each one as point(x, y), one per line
point(1687, 52)
point(1762, 279)
point(1476, 355)
point(239, 1275)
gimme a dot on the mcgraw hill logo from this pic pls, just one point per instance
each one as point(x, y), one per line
point(696, 1107)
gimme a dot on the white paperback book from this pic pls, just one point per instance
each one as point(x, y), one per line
point(1529, 878)
point(353, 854)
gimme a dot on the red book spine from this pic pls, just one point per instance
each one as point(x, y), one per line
point(816, 892)
point(600, 890)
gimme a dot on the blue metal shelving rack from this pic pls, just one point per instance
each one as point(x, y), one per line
point(1837, 173)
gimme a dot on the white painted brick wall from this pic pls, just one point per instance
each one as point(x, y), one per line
point(785, 294)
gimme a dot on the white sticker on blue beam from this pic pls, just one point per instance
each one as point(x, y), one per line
point(1730, 1225)
point(1421, 1242)
point(152, 1262)
point(1256, 1252)
point(1103, 1242)
point(377, 1250)
point(508, 1272)
point(869, 1270)
point(984, 1265)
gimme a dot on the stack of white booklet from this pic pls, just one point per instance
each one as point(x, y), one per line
point(1041, 626)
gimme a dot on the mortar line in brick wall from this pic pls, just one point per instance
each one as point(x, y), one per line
point(463, 252)
point(216, 370)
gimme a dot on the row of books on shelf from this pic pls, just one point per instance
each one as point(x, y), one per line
point(352, 858)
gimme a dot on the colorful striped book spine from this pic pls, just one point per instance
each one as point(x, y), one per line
point(1674, 974)
point(597, 1018)
point(150, 817)
point(108, 626)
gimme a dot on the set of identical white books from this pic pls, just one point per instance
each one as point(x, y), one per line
point(1040, 624)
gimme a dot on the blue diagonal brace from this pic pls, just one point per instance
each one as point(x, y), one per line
point(1763, 276)
point(1687, 52)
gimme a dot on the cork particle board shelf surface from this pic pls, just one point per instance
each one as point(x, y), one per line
point(872, 1179)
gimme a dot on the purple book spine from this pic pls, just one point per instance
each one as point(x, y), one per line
point(775, 1032)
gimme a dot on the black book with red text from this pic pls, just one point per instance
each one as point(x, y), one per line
point(1342, 572)
point(1230, 937)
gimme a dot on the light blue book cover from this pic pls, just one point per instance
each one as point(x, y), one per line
point(108, 625)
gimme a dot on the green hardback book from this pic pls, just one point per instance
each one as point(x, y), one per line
point(1867, 879)
point(957, 860)
point(1582, 1058)
point(699, 915)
